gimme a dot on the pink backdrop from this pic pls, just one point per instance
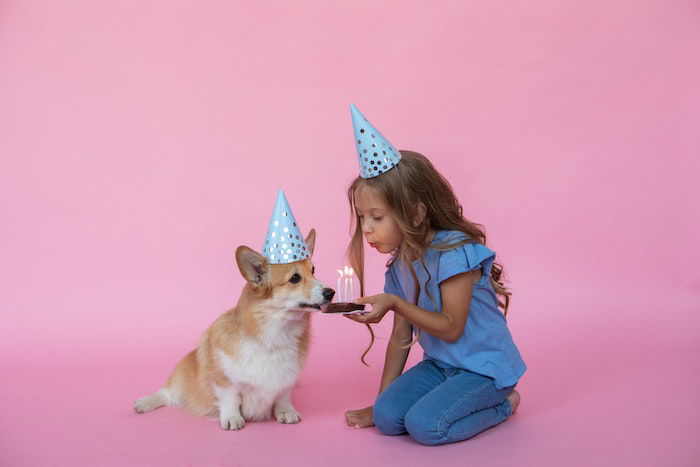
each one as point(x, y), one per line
point(142, 141)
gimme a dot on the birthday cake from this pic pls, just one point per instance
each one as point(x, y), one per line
point(341, 307)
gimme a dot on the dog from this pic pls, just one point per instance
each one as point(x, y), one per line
point(248, 361)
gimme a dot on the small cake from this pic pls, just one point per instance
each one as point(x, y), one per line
point(341, 307)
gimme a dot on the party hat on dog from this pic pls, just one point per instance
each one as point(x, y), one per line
point(284, 242)
point(374, 152)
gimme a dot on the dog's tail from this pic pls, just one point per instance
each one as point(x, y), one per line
point(152, 402)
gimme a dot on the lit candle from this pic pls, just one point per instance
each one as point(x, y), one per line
point(345, 286)
point(352, 294)
point(340, 292)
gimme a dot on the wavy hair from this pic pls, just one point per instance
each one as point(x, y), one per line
point(412, 182)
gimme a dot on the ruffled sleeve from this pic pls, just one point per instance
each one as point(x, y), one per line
point(465, 258)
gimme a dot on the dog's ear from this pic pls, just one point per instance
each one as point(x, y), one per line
point(254, 267)
point(311, 241)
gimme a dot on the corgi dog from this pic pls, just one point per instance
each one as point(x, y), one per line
point(248, 361)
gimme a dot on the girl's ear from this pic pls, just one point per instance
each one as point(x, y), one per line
point(421, 211)
point(311, 241)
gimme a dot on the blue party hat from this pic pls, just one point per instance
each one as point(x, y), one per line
point(284, 242)
point(374, 152)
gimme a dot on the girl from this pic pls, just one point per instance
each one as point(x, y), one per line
point(442, 284)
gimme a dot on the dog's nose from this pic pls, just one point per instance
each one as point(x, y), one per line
point(328, 293)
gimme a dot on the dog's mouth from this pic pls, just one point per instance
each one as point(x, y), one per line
point(314, 306)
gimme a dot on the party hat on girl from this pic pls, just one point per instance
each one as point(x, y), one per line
point(284, 242)
point(374, 152)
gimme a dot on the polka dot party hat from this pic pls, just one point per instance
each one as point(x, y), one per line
point(284, 242)
point(374, 152)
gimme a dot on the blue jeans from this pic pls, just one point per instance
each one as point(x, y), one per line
point(439, 406)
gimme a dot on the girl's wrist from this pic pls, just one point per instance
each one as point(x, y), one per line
point(395, 301)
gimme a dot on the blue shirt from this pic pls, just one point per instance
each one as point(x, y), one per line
point(486, 346)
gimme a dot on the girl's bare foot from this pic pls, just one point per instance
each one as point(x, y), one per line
point(514, 399)
point(360, 418)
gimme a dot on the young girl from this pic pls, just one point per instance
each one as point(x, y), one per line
point(442, 284)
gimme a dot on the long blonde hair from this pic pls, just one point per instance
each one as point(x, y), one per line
point(415, 181)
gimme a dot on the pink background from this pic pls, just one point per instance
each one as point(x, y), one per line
point(142, 141)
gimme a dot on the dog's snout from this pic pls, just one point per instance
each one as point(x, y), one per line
point(328, 294)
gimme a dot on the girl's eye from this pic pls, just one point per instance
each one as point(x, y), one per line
point(295, 279)
point(378, 218)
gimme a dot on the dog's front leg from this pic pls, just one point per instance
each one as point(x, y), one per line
point(284, 410)
point(229, 402)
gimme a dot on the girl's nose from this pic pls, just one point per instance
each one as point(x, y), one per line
point(365, 227)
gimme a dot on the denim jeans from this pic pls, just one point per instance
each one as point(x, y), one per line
point(439, 406)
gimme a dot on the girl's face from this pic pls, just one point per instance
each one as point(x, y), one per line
point(377, 220)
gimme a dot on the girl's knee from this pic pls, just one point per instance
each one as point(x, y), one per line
point(424, 428)
point(387, 418)
point(432, 429)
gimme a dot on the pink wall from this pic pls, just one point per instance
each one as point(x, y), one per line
point(142, 142)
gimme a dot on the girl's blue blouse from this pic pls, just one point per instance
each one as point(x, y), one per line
point(486, 346)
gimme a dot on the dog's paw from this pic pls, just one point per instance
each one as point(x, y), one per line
point(147, 403)
point(288, 416)
point(233, 422)
point(140, 405)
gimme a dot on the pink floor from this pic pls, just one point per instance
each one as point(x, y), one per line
point(587, 399)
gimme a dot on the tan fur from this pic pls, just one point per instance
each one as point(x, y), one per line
point(232, 372)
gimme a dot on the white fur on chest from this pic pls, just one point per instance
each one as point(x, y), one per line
point(263, 369)
point(272, 369)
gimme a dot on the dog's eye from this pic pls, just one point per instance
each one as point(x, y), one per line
point(295, 279)
point(313, 269)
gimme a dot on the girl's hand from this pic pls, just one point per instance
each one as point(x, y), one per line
point(360, 418)
point(380, 305)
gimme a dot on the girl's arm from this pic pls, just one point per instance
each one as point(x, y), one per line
point(396, 355)
point(394, 363)
point(449, 325)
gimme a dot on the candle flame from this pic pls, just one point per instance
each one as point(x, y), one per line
point(340, 273)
